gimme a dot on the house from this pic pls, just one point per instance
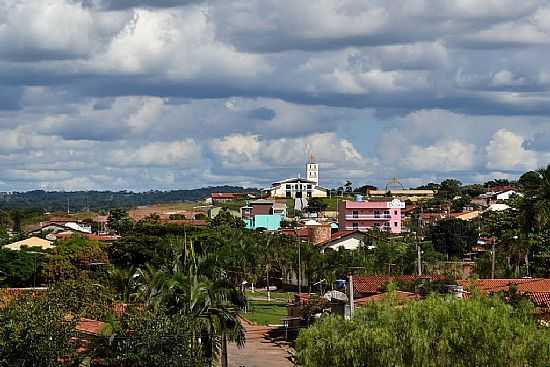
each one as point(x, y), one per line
point(466, 216)
point(537, 289)
point(364, 215)
point(30, 243)
point(410, 195)
point(54, 227)
point(399, 296)
point(223, 197)
point(297, 188)
point(495, 196)
point(349, 240)
point(368, 285)
point(498, 207)
point(300, 188)
point(263, 213)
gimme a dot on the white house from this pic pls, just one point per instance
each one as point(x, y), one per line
point(349, 240)
point(505, 195)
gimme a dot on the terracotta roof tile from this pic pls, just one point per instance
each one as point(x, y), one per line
point(399, 295)
point(537, 289)
point(375, 283)
point(87, 326)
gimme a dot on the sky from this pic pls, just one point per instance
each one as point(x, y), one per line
point(176, 94)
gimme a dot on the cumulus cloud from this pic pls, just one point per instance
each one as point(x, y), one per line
point(176, 154)
point(506, 152)
point(179, 93)
point(444, 157)
point(252, 153)
point(54, 29)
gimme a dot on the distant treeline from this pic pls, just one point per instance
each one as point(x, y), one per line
point(104, 200)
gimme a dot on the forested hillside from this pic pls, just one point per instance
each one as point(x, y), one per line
point(103, 200)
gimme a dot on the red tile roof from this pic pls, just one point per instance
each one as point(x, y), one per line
point(224, 195)
point(375, 283)
point(188, 222)
point(339, 235)
point(399, 295)
point(537, 289)
point(302, 232)
point(541, 299)
point(87, 326)
point(497, 285)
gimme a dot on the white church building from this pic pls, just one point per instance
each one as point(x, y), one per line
point(298, 188)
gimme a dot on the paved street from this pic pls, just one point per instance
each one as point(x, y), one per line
point(258, 351)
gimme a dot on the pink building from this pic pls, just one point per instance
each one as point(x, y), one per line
point(363, 215)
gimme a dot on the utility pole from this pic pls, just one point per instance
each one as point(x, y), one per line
point(493, 261)
point(419, 253)
point(351, 295)
point(268, 291)
point(299, 267)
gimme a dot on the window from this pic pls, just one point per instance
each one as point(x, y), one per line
point(288, 187)
point(377, 213)
point(387, 224)
point(355, 214)
point(395, 212)
point(309, 194)
point(297, 187)
point(288, 194)
point(355, 225)
point(309, 187)
point(395, 224)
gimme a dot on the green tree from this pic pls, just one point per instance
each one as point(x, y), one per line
point(119, 221)
point(438, 331)
point(225, 218)
point(20, 268)
point(536, 205)
point(36, 332)
point(449, 188)
point(453, 237)
point(316, 206)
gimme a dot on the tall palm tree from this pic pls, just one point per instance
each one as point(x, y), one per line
point(536, 204)
point(206, 297)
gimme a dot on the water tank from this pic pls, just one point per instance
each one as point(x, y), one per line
point(358, 197)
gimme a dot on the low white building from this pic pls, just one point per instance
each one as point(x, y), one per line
point(30, 243)
point(348, 240)
point(297, 188)
point(505, 195)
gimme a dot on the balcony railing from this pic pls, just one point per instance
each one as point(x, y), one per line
point(368, 217)
point(363, 228)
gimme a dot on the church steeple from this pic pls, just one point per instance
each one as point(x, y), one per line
point(312, 168)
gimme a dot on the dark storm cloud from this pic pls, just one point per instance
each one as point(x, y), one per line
point(262, 113)
point(128, 4)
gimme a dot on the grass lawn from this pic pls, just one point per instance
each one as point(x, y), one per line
point(264, 313)
point(276, 296)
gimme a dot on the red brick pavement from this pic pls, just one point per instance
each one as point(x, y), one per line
point(258, 351)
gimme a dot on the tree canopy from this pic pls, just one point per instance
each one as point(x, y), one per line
point(438, 331)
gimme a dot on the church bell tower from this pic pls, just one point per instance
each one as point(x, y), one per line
point(312, 169)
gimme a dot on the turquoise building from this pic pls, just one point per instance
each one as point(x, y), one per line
point(270, 222)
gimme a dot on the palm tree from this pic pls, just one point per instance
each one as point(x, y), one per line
point(536, 205)
point(207, 298)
